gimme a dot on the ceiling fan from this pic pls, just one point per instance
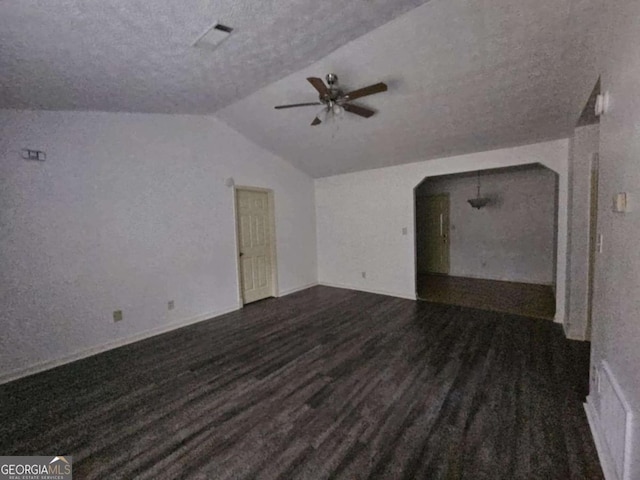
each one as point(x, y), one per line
point(335, 100)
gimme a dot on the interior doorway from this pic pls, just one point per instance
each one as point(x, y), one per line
point(255, 225)
point(583, 220)
point(593, 239)
point(488, 239)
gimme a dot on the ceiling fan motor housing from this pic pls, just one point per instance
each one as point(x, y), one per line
point(333, 95)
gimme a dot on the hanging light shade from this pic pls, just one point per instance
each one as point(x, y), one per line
point(479, 201)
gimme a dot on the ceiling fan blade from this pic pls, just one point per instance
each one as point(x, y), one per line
point(363, 92)
point(319, 85)
point(316, 121)
point(363, 112)
point(293, 105)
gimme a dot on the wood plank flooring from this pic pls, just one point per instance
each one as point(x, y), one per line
point(324, 383)
point(529, 300)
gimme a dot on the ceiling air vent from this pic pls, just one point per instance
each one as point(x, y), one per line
point(213, 37)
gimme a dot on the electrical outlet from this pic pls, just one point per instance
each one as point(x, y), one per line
point(170, 305)
point(364, 274)
point(117, 315)
point(404, 230)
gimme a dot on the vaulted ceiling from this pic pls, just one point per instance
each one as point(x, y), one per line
point(463, 75)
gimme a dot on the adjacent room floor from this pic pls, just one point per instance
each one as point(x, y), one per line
point(526, 299)
point(324, 383)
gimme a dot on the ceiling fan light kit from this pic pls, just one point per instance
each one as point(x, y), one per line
point(335, 101)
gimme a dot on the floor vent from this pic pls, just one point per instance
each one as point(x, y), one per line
point(616, 419)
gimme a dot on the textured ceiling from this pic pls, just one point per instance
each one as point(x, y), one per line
point(122, 55)
point(463, 76)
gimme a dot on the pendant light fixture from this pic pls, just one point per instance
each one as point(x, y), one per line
point(479, 201)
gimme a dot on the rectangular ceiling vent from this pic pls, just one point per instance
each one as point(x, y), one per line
point(213, 37)
point(223, 28)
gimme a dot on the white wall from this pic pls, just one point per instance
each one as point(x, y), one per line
point(616, 317)
point(512, 238)
point(129, 211)
point(360, 217)
point(582, 147)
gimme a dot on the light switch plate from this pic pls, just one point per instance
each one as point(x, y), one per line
point(621, 202)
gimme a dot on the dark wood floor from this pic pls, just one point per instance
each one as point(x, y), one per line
point(324, 383)
point(526, 299)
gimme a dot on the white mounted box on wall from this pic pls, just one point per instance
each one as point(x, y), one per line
point(603, 102)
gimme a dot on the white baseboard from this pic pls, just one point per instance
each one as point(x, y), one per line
point(289, 291)
point(571, 335)
point(49, 364)
point(606, 461)
point(369, 290)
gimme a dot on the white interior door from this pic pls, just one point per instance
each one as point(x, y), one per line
point(255, 233)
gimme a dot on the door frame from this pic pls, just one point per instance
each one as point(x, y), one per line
point(593, 238)
point(272, 239)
